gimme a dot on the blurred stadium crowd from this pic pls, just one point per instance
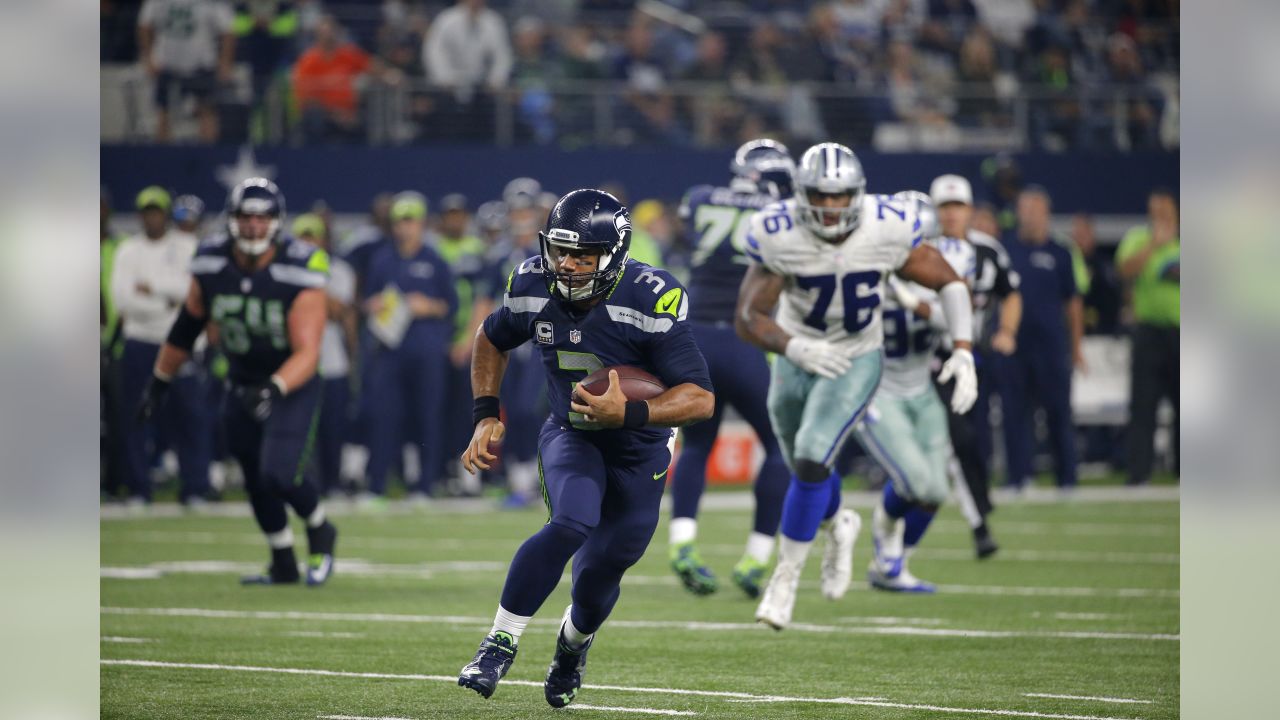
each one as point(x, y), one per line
point(1052, 75)
point(410, 283)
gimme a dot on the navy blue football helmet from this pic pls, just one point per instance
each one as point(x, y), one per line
point(255, 196)
point(591, 221)
point(767, 165)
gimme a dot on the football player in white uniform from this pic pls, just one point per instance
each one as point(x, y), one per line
point(905, 429)
point(825, 254)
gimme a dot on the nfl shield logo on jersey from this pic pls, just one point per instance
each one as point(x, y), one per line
point(542, 332)
point(575, 336)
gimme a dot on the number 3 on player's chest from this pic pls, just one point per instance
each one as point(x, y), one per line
point(860, 298)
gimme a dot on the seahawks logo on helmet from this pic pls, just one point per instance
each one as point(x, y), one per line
point(622, 223)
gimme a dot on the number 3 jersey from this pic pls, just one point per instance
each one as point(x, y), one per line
point(251, 310)
point(833, 290)
point(641, 321)
point(910, 340)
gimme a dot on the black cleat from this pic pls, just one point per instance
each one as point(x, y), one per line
point(490, 664)
point(983, 543)
point(275, 575)
point(564, 677)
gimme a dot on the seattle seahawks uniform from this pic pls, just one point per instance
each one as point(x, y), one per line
point(250, 311)
point(832, 292)
point(721, 216)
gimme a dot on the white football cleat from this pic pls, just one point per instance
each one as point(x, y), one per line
point(901, 581)
point(887, 540)
point(779, 596)
point(837, 553)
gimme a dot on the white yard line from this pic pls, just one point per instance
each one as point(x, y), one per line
point(359, 717)
point(1089, 697)
point(326, 635)
point(125, 640)
point(637, 710)
point(619, 688)
point(644, 624)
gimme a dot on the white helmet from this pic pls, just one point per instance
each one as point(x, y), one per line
point(830, 169)
point(927, 217)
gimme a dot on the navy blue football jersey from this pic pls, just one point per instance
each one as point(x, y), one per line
point(641, 322)
point(719, 218)
point(251, 310)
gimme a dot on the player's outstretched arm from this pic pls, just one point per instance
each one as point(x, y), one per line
point(753, 319)
point(488, 365)
point(681, 405)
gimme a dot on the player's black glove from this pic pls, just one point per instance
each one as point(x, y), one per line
point(152, 399)
point(258, 399)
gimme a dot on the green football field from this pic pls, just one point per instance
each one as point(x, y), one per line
point(1076, 618)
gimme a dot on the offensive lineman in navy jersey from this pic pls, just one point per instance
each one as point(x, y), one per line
point(262, 293)
point(602, 458)
point(720, 217)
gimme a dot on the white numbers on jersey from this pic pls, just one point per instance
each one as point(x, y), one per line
point(656, 282)
point(715, 223)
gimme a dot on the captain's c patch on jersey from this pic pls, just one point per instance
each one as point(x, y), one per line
point(542, 333)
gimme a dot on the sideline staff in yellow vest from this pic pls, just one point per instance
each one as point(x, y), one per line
point(1149, 257)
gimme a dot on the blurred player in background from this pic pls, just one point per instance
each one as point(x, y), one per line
point(824, 255)
point(1038, 372)
point(997, 313)
point(602, 457)
point(466, 255)
point(149, 280)
point(1150, 257)
point(905, 429)
point(262, 292)
point(188, 212)
point(336, 348)
point(411, 301)
point(187, 49)
point(720, 216)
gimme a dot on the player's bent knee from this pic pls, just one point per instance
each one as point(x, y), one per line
point(811, 471)
point(568, 529)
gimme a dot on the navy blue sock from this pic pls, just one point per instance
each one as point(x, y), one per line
point(688, 481)
point(833, 504)
point(917, 520)
point(803, 507)
point(770, 492)
point(894, 504)
point(536, 569)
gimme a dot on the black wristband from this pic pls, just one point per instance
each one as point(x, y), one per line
point(637, 414)
point(484, 407)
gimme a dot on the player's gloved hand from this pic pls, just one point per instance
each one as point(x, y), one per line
point(257, 400)
point(478, 456)
point(960, 366)
point(818, 357)
point(152, 398)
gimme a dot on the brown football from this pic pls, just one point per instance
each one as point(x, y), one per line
point(636, 383)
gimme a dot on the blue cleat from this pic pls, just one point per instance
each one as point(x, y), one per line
point(282, 575)
point(903, 581)
point(491, 663)
point(748, 575)
point(564, 677)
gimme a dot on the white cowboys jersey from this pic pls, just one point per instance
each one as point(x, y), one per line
point(834, 291)
point(910, 340)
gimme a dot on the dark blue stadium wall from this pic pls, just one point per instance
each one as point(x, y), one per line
point(347, 178)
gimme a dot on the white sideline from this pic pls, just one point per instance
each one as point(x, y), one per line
point(427, 571)
point(643, 624)
point(618, 688)
point(1088, 697)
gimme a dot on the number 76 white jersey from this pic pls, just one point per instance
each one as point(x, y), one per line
point(833, 291)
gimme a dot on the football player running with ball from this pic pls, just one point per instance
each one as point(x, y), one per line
point(602, 458)
point(262, 294)
point(824, 255)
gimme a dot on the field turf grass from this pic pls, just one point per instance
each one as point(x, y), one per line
point(1082, 602)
